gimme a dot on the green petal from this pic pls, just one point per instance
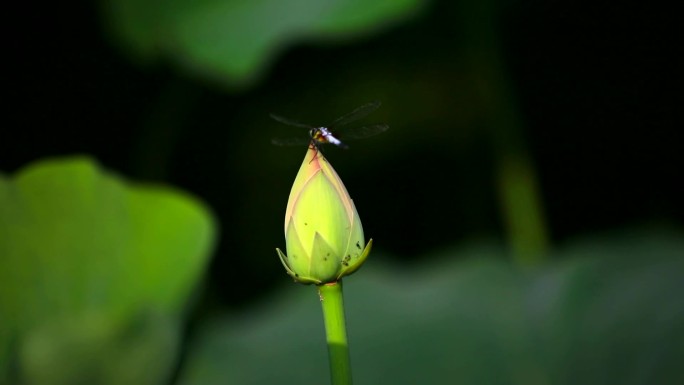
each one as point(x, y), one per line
point(325, 264)
point(283, 260)
point(320, 210)
point(297, 255)
point(355, 241)
point(298, 278)
point(352, 264)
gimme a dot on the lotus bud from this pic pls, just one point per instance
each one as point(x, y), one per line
point(323, 231)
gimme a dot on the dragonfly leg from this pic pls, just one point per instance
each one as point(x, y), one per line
point(313, 145)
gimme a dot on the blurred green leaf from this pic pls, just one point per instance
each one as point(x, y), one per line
point(94, 274)
point(609, 311)
point(233, 41)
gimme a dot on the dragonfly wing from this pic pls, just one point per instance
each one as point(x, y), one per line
point(362, 132)
point(290, 122)
point(291, 141)
point(357, 114)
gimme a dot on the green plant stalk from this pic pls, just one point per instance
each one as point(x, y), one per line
point(522, 209)
point(520, 198)
point(336, 332)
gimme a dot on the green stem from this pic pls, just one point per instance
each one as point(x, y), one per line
point(336, 332)
point(522, 209)
point(519, 194)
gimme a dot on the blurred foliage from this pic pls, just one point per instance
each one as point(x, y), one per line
point(610, 312)
point(233, 41)
point(94, 274)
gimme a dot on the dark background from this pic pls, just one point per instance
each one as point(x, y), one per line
point(595, 87)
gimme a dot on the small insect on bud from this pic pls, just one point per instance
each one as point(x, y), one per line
point(323, 231)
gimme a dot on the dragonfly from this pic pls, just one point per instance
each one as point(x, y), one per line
point(329, 134)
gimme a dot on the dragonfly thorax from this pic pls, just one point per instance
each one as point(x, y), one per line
point(323, 135)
